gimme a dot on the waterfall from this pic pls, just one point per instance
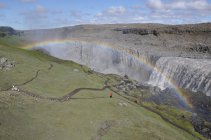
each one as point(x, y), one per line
point(191, 74)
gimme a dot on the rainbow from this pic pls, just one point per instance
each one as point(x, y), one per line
point(181, 93)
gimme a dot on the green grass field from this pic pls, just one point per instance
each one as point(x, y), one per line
point(88, 115)
point(25, 118)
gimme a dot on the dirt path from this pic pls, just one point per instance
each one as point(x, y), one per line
point(24, 83)
point(30, 80)
point(64, 98)
point(50, 67)
point(68, 96)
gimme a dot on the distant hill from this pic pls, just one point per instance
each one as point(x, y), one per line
point(7, 31)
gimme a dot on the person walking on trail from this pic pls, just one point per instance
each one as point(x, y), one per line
point(110, 95)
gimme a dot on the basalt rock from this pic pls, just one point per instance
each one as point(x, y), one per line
point(138, 31)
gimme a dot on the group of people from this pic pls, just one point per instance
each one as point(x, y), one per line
point(110, 94)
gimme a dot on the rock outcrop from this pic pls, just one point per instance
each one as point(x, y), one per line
point(5, 64)
point(138, 31)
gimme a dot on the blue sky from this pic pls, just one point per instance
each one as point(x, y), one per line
point(36, 14)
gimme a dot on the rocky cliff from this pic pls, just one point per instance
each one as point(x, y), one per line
point(192, 41)
point(103, 59)
point(187, 73)
point(181, 52)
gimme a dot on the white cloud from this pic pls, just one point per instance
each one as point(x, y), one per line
point(116, 10)
point(191, 4)
point(138, 18)
point(113, 11)
point(178, 11)
point(118, 14)
point(179, 4)
point(155, 4)
point(154, 11)
point(199, 5)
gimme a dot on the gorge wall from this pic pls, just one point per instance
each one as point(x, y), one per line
point(187, 73)
point(102, 59)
